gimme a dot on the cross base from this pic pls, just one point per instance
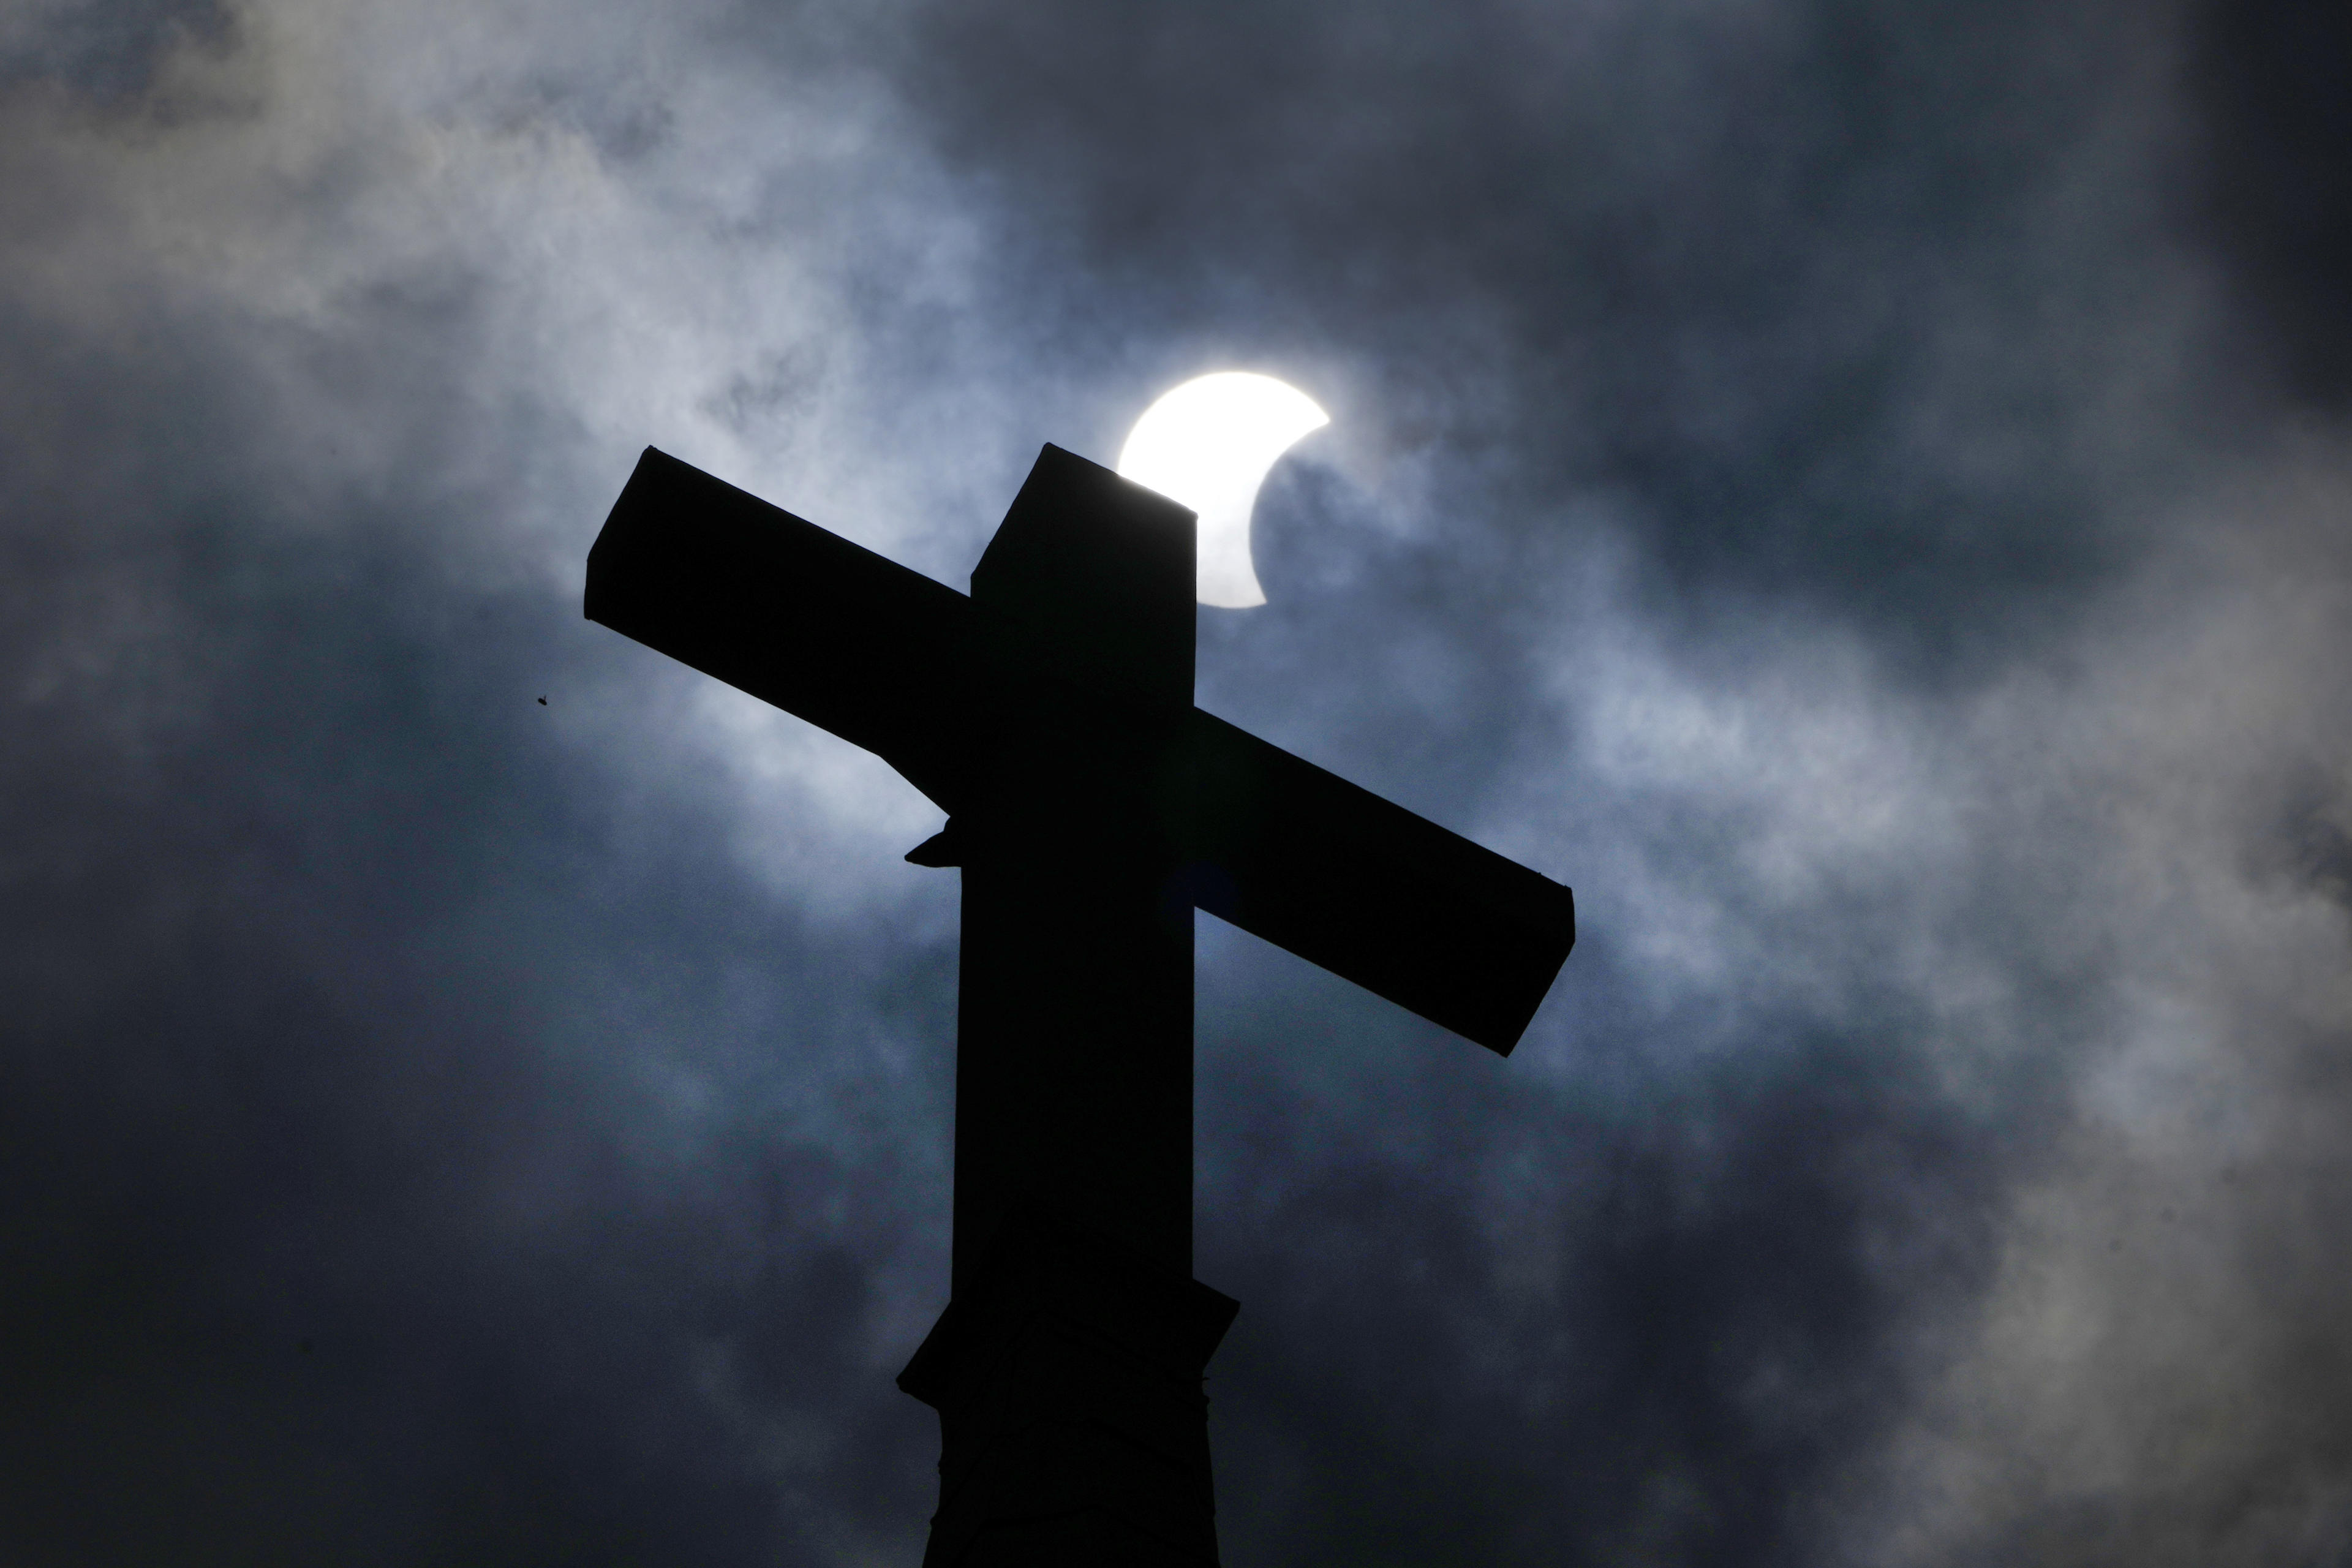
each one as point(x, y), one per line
point(1073, 1425)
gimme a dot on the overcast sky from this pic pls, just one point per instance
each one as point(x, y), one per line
point(1860, 492)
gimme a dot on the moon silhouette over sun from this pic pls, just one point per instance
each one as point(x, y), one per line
point(1209, 444)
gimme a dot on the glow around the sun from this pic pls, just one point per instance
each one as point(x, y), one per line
point(1209, 444)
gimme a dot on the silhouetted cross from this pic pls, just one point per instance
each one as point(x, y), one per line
point(1092, 807)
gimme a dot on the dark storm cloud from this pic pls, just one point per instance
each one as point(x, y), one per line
point(2274, 190)
point(1824, 287)
point(1836, 483)
point(348, 1211)
point(105, 53)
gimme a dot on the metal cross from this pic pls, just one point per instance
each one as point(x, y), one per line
point(1092, 807)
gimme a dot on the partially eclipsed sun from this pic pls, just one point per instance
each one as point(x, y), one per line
point(1208, 445)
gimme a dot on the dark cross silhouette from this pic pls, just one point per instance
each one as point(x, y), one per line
point(1092, 808)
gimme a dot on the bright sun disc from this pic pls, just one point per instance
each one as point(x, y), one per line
point(1208, 444)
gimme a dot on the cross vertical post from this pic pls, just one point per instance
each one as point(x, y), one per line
point(1067, 1369)
point(1074, 1053)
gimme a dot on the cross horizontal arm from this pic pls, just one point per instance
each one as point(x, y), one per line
point(798, 616)
point(1330, 871)
point(890, 660)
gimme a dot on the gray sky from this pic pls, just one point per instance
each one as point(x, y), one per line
point(1858, 490)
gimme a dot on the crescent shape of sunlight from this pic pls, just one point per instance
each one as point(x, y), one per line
point(1208, 444)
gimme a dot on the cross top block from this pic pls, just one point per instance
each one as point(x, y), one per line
point(1086, 579)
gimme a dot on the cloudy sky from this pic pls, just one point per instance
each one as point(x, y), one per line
point(1862, 492)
